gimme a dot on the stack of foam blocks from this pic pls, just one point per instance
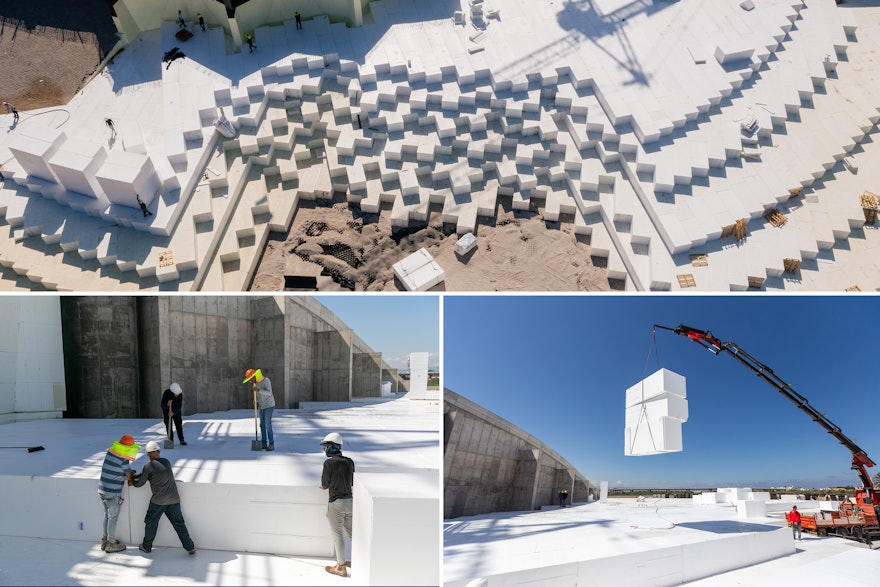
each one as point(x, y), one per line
point(656, 407)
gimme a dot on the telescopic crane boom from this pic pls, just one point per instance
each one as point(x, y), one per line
point(860, 459)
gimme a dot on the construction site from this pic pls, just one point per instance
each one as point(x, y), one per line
point(83, 372)
point(516, 512)
point(643, 145)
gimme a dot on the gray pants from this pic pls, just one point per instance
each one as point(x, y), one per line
point(339, 516)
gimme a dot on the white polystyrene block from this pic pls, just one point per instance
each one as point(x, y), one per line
point(603, 490)
point(750, 508)
point(465, 244)
point(656, 384)
point(418, 374)
point(759, 495)
point(75, 163)
point(390, 508)
point(418, 271)
point(127, 175)
point(653, 437)
point(673, 406)
point(32, 147)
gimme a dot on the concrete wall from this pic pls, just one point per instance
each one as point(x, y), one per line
point(333, 358)
point(31, 359)
point(490, 465)
point(122, 352)
point(101, 366)
point(366, 374)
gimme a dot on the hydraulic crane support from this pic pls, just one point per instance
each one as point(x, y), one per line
point(705, 339)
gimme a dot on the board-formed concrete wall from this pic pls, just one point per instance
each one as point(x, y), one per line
point(490, 465)
point(366, 374)
point(121, 353)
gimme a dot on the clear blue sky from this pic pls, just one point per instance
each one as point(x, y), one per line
point(558, 367)
point(395, 325)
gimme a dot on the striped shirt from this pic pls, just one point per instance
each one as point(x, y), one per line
point(113, 475)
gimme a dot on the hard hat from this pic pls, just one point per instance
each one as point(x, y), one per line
point(127, 440)
point(152, 446)
point(333, 437)
point(175, 389)
point(250, 374)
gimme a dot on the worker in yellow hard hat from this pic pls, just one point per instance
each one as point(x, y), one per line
point(265, 402)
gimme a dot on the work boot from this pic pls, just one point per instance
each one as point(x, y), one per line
point(114, 546)
point(271, 447)
point(104, 543)
point(182, 443)
point(142, 548)
point(336, 570)
point(348, 564)
point(193, 551)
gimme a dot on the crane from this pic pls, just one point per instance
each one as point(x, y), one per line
point(867, 499)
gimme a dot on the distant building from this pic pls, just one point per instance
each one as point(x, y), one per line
point(490, 465)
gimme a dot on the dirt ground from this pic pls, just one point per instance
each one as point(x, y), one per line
point(34, 34)
point(347, 250)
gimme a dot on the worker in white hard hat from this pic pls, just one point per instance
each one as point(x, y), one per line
point(265, 402)
point(172, 410)
point(165, 500)
point(338, 478)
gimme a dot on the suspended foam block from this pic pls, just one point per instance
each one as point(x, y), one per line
point(655, 410)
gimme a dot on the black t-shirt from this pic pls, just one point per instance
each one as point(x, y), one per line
point(338, 477)
point(176, 401)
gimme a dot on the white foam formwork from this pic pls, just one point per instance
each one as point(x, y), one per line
point(418, 271)
point(126, 176)
point(465, 244)
point(751, 508)
point(404, 513)
point(418, 374)
point(655, 410)
point(33, 146)
point(75, 163)
point(657, 384)
point(653, 437)
point(693, 549)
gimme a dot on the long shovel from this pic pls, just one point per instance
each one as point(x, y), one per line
point(255, 443)
point(170, 442)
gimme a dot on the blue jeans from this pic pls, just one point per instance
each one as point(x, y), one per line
point(796, 531)
point(174, 515)
point(266, 426)
point(112, 505)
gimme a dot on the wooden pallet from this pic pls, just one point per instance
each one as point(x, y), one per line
point(166, 259)
point(686, 280)
point(756, 282)
point(740, 229)
point(699, 260)
point(791, 265)
point(775, 217)
point(853, 288)
point(795, 192)
point(869, 200)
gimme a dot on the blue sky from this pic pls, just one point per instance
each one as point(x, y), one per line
point(558, 367)
point(395, 325)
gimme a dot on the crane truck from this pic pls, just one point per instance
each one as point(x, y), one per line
point(857, 517)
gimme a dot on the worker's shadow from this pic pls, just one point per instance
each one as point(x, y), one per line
point(200, 567)
point(13, 126)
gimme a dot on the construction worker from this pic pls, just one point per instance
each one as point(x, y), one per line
point(250, 41)
point(265, 402)
point(11, 110)
point(299, 22)
point(180, 22)
point(172, 409)
point(201, 20)
point(165, 500)
point(794, 517)
point(114, 471)
point(338, 478)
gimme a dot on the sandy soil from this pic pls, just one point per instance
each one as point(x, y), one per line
point(347, 250)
